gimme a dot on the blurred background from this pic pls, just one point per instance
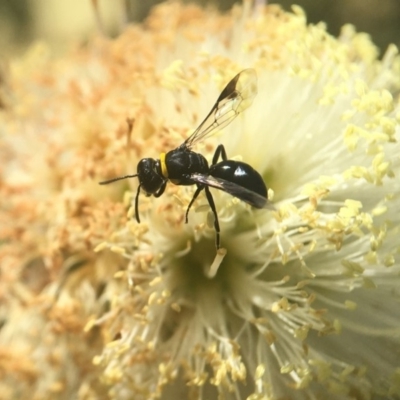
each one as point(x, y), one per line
point(61, 22)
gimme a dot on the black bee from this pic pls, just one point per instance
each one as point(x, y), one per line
point(182, 166)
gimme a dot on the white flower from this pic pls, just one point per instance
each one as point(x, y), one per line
point(305, 302)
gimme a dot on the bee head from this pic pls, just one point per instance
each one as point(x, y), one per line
point(150, 177)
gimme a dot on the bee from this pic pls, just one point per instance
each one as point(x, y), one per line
point(183, 166)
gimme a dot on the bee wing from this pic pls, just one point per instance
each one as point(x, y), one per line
point(235, 98)
point(246, 195)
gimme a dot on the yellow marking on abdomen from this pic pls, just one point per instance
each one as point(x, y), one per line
point(164, 170)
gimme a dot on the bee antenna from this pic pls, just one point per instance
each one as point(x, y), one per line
point(117, 179)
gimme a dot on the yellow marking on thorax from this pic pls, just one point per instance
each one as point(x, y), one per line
point(164, 170)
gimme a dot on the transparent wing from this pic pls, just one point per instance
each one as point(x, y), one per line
point(235, 98)
point(246, 195)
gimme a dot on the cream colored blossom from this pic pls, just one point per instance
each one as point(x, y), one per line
point(305, 303)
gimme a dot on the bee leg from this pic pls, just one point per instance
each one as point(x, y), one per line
point(196, 193)
point(137, 205)
point(219, 152)
point(213, 209)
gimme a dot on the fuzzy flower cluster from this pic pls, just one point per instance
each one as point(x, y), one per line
point(305, 304)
